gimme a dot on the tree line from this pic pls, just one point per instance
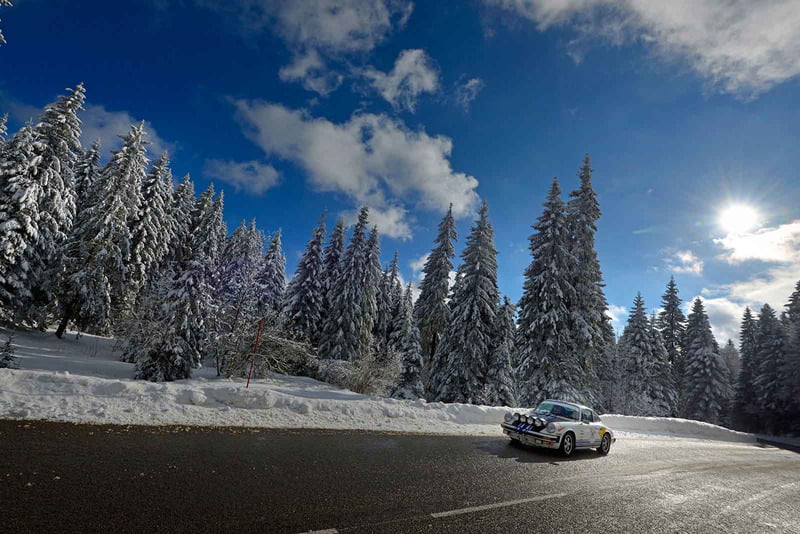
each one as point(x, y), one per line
point(120, 248)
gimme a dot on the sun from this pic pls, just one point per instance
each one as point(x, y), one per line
point(738, 218)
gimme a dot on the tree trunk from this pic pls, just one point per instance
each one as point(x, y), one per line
point(62, 326)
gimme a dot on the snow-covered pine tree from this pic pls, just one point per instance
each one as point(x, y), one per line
point(57, 145)
point(334, 252)
point(550, 367)
point(305, 294)
point(4, 3)
point(203, 232)
point(431, 310)
point(95, 276)
point(405, 340)
point(371, 289)
point(733, 363)
point(745, 409)
point(661, 390)
point(636, 360)
point(791, 370)
point(345, 318)
point(8, 360)
point(87, 172)
point(672, 325)
point(272, 278)
point(150, 232)
point(183, 204)
point(390, 299)
point(3, 125)
point(590, 304)
point(770, 340)
point(704, 383)
point(467, 343)
point(20, 191)
point(500, 385)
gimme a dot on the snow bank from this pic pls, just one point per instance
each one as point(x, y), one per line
point(668, 426)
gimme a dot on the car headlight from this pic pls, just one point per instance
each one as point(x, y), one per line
point(551, 428)
point(516, 417)
point(530, 420)
point(507, 417)
point(540, 422)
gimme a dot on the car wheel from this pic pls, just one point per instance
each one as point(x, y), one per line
point(605, 445)
point(568, 444)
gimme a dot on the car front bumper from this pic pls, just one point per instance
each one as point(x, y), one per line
point(530, 437)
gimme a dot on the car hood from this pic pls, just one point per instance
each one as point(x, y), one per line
point(551, 418)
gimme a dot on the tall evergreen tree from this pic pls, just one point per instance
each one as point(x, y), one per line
point(791, 370)
point(306, 291)
point(467, 343)
point(20, 191)
point(389, 303)
point(345, 322)
point(183, 204)
point(768, 382)
point(272, 279)
point(672, 325)
point(204, 231)
point(97, 254)
point(745, 409)
point(661, 390)
point(405, 339)
point(151, 232)
point(431, 311)
point(3, 125)
point(636, 355)
point(590, 305)
point(499, 379)
point(371, 290)
point(704, 382)
point(550, 367)
point(334, 252)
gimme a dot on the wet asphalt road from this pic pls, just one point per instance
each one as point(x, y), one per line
point(58, 477)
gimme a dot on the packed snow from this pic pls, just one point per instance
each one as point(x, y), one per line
point(81, 380)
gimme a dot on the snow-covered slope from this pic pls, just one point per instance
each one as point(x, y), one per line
point(81, 380)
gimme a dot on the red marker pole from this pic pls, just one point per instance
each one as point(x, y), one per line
point(253, 361)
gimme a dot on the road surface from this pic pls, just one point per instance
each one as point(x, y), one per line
point(58, 477)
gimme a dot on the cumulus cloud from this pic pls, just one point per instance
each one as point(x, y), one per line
point(309, 69)
point(374, 159)
point(249, 176)
point(740, 46)
point(413, 73)
point(684, 262)
point(467, 92)
point(776, 244)
point(618, 315)
point(418, 264)
point(107, 126)
point(333, 28)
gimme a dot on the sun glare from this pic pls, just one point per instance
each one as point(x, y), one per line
point(738, 218)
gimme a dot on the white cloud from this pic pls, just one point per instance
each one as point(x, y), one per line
point(414, 73)
point(418, 264)
point(250, 176)
point(107, 126)
point(309, 69)
point(374, 159)
point(618, 315)
point(777, 244)
point(685, 262)
point(740, 46)
point(392, 220)
point(724, 315)
point(468, 91)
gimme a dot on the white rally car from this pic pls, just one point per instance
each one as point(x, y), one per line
point(555, 424)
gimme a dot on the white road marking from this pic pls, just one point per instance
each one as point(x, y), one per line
point(496, 505)
point(326, 531)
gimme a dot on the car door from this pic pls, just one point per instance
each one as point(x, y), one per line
point(599, 427)
point(584, 429)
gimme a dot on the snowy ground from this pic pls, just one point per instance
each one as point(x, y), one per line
point(81, 380)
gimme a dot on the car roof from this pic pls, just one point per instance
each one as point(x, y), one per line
point(579, 406)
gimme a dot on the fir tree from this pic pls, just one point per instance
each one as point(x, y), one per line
point(745, 409)
point(20, 192)
point(183, 205)
point(672, 325)
point(371, 289)
point(431, 311)
point(344, 323)
point(151, 232)
point(636, 355)
point(87, 173)
point(661, 390)
point(334, 252)
point(499, 381)
point(770, 357)
point(389, 300)
point(204, 233)
point(590, 305)
point(95, 276)
point(272, 279)
point(3, 125)
point(306, 291)
point(7, 358)
point(550, 367)
point(467, 343)
point(791, 369)
point(705, 378)
point(405, 340)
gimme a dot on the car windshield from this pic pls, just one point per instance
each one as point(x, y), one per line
point(561, 410)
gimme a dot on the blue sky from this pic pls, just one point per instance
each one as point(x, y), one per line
point(295, 107)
